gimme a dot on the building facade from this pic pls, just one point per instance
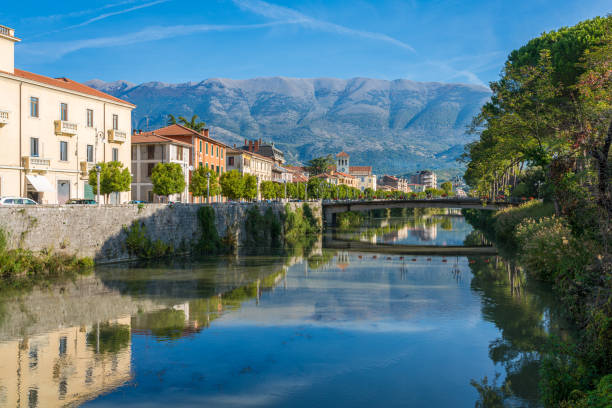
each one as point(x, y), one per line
point(205, 151)
point(362, 174)
point(394, 183)
point(250, 163)
point(426, 177)
point(266, 149)
point(149, 149)
point(53, 131)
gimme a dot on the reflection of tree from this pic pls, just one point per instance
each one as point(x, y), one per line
point(520, 312)
point(164, 324)
point(109, 338)
point(318, 261)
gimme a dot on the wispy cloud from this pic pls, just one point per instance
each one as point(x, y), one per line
point(53, 50)
point(72, 14)
point(280, 13)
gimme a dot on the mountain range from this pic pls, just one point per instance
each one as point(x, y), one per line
point(396, 126)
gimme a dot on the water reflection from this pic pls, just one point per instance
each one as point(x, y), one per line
point(283, 330)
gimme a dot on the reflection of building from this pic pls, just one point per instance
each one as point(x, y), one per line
point(342, 260)
point(54, 130)
point(61, 368)
point(425, 232)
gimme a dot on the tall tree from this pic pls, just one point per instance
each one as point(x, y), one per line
point(320, 165)
point(199, 185)
point(171, 120)
point(193, 123)
point(168, 179)
point(250, 187)
point(113, 178)
point(232, 185)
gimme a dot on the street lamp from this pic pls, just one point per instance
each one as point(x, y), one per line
point(98, 170)
point(257, 197)
point(208, 188)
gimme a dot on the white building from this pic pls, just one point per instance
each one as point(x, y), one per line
point(53, 130)
point(362, 174)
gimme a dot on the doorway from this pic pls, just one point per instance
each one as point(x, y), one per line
point(63, 191)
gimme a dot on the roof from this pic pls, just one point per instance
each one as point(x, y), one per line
point(355, 169)
point(66, 83)
point(342, 154)
point(151, 137)
point(299, 178)
point(180, 130)
point(232, 151)
point(344, 174)
point(325, 175)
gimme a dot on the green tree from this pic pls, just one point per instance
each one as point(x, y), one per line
point(268, 190)
point(199, 186)
point(447, 186)
point(168, 178)
point(250, 187)
point(320, 165)
point(113, 178)
point(171, 120)
point(369, 193)
point(193, 123)
point(232, 185)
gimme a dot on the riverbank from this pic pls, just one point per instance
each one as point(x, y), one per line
point(549, 249)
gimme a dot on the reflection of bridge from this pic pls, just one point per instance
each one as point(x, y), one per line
point(330, 209)
point(360, 246)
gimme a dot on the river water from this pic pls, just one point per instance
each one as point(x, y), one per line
point(341, 329)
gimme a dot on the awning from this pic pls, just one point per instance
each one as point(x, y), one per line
point(40, 183)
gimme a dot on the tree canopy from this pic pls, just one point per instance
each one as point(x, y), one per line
point(114, 178)
point(168, 178)
point(199, 185)
point(320, 165)
point(232, 185)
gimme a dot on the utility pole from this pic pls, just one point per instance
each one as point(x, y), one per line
point(208, 188)
point(98, 170)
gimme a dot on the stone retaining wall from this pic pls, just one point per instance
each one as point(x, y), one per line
point(98, 232)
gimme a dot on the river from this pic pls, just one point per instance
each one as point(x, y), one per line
point(336, 328)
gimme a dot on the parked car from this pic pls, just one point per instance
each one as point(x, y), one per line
point(81, 201)
point(138, 202)
point(17, 201)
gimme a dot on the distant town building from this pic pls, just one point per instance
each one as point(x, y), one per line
point(54, 131)
point(394, 183)
point(416, 188)
point(250, 163)
point(266, 149)
point(362, 174)
point(149, 149)
point(426, 177)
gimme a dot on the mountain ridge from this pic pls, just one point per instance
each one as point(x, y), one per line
point(397, 126)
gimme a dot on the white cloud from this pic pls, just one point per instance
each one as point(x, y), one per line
point(78, 13)
point(52, 50)
point(280, 13)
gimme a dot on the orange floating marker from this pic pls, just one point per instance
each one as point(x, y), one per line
point(444, 260)
point(413, 259)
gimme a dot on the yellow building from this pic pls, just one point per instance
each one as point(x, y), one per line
point(62, 367)
point(53, 130)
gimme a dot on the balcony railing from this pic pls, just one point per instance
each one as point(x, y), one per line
point(36, 163)
point(4, 117)
point(9, 32)
point(65, 128)
point(117, 136)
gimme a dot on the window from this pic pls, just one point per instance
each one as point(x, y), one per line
point(201, 164)
point(115, 154)
point(179, 153)
point(150, 169)
point(90, 152)
point(116, 122)
point(34, 107)
point(217, 169)
point(151, 151)
point(34, 146)
point(221, 170)
point(206, 148)
point(64, 151)
point(63, 111)
point(217, 151)
point(200, 146)
point(89, 117)
point(63, 345)
point(221, 153)
point(230, 161)
point(134, 152)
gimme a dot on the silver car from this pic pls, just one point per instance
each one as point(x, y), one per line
point(17, 201)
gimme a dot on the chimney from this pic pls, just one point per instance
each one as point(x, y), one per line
point(245, 142)
point(7, 49)
point(134, 132)
point(256, 145)
point(234, 145)
point(206, 132)
point(250, 145)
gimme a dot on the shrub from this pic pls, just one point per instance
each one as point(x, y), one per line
point(210, 242)
point(506, 220)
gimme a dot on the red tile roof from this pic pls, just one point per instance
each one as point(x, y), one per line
point(342, 154)
point(180, 130)
point(151, 137)
point(360, 168)
point(232, 151)
point(344, 174)
point(66, 84)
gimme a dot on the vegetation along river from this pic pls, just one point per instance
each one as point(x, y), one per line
point(334, 328)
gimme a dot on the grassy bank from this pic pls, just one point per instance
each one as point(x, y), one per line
point(552, 248)
point(22, 269)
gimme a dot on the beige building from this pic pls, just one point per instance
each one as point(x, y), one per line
point(362, 174)
point(53, 130)
point(62, 367)
point(250, 163)
point(149, 149)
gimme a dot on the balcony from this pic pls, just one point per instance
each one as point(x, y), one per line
point(4, 117)
point(116, 136)
point(36, 163)
point(64, 128)
point(85, 168)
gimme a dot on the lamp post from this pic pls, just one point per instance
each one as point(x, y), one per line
point(285, 182)
point(98, 170)
point(257, 196)
point(306, 191)
point(208, 188)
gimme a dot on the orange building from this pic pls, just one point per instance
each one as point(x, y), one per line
point(205, 151)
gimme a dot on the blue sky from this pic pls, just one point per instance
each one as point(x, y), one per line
point(179, 40)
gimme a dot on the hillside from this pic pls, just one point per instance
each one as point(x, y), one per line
point(397, 126)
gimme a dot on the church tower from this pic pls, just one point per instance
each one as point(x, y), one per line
point(342, 162)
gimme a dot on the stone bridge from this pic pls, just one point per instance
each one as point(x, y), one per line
point(330, 209)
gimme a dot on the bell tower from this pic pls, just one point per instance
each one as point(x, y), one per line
point(7, 49)
point(342, 162)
